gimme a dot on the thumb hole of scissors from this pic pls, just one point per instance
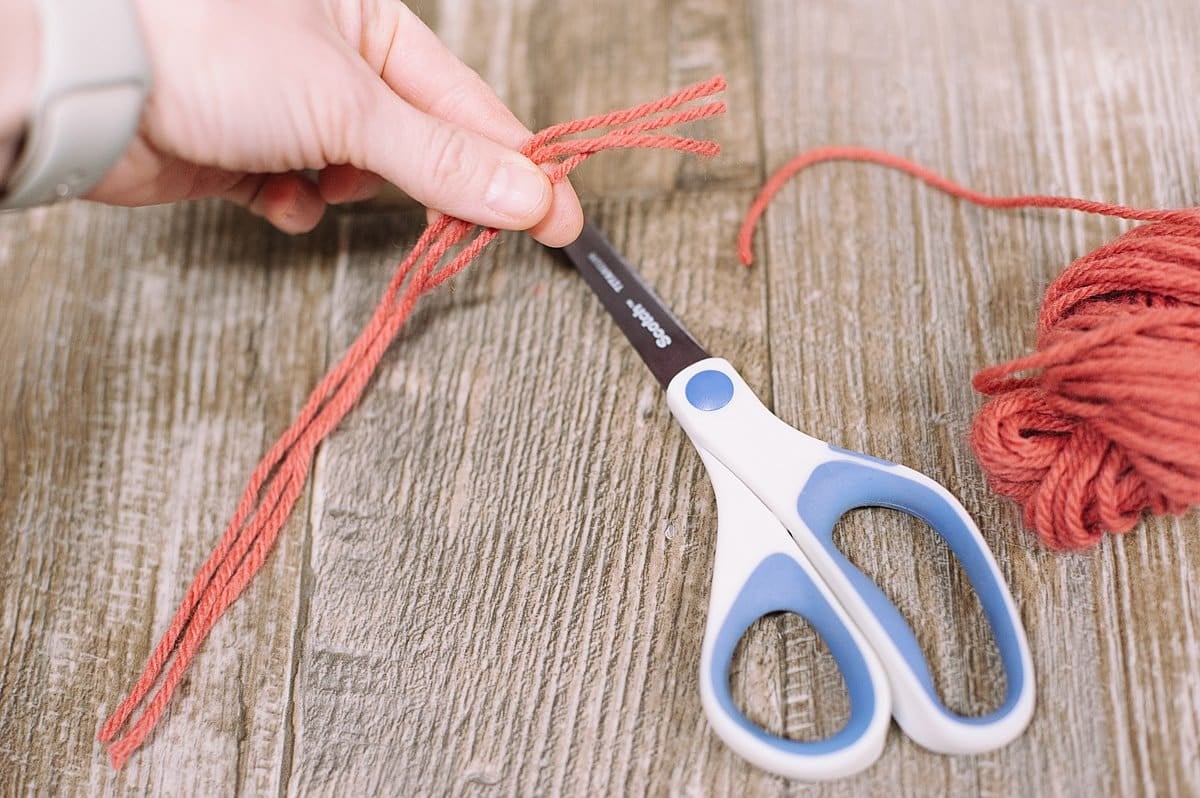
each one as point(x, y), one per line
point(785, 680)
point(912, 565)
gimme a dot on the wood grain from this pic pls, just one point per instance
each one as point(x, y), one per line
point(150, 357)
point(497, 582)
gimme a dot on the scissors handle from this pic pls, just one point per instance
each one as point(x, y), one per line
point(759, 570)
point(808, 485)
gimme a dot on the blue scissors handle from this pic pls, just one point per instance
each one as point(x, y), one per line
point(854, 480)
point(805, 486)
point(759, 570)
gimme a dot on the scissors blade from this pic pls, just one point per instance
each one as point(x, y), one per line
point(662, 341)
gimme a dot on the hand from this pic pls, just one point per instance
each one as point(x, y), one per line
point(248, 92)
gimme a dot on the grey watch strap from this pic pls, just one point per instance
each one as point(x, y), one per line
point(94, 79)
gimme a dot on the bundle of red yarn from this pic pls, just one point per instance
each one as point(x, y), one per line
point(1108, 424)
point(1102, 423)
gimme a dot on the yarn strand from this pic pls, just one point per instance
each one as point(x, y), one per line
point(1102, 423)
point(278, 481)
point(868, 155)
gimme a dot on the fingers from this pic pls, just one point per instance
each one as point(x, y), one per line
point(345, 183)
point(450, 168)
point(563, 224)
point(422, 70)
point(289, 201)
point(417, 66)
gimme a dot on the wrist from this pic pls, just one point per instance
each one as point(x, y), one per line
point(20, 51)
point(91, 84)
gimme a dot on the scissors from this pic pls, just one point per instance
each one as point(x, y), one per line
point(779, 494)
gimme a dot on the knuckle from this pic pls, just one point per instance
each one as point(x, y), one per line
point(346, 122)
point(451, 165)
point(454, 102)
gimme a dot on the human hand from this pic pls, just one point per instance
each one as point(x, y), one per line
point(246, 93)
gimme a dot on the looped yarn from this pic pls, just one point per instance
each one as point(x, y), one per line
point(1106, 424)
point(279, 479)
point(1109, 425)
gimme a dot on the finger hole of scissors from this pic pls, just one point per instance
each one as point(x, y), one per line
point(785, 680)
point(917, 572)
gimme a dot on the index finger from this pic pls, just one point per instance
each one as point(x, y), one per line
point(419, 67)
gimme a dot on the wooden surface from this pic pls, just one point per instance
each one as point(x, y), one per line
point(497, 581)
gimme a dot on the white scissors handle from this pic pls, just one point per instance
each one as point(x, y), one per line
point(768, 477)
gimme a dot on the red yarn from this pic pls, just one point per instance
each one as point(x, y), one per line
point(279, 479)
point(1107, 424)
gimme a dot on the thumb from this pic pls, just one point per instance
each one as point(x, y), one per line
point(450, 168)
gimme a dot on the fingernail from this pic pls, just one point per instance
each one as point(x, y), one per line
point(518, 189)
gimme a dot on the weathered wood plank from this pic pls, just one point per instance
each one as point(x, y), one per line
point(500, 583)
point(523, 540)
point(148, 356)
